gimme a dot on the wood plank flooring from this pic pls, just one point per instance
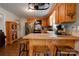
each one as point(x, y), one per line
point(10, 50)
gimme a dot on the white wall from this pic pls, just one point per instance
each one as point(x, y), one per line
point(2, 27)
point(22, 27)
point(9, 16)
point(5, 15)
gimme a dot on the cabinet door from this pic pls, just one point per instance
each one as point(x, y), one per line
point(61, 13)
point(44, 22)
point(56, 16)
point(71, 7)
point(71, 12)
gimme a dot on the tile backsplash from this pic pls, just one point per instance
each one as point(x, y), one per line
point(72, 28)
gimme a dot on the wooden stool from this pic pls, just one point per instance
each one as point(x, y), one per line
point(65, 51)
point(41, 51)
point(23, 47)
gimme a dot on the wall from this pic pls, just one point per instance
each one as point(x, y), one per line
point(22, 27)
point(5, 16)
point(2, 23)
point(8, 16)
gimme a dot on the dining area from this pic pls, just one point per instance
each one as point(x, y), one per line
point(46, 44)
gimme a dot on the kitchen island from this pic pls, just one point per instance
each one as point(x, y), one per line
point(50, 40)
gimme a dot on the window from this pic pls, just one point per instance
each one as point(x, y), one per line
point(52, 20)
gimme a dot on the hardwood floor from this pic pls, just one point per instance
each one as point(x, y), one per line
point(10, 50)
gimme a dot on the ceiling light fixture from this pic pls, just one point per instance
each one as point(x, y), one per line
point(30, 10)
point(38, 6)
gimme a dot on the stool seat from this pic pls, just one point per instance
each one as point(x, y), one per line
point(41, 51)
point(24, 41)
point(65, 50)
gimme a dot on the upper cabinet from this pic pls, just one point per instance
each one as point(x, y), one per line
point(65, 13)
point(61, 12)
point(71, 12)
point(57, 15)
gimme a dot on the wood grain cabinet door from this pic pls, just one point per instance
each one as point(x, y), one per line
point(56, 16)
point(70, 12)
point(62, 13)
point(66, 13)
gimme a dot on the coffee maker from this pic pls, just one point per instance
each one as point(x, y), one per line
point(60, 29)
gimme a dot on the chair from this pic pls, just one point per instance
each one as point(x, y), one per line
point(41, 51)
point(65, 51)
point(2, 39)
point(23, 47)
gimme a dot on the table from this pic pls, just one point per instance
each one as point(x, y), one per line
point(49, 40)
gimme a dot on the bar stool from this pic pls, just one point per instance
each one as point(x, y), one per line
point(41, 51)
point(23, 47)
point(65, 51)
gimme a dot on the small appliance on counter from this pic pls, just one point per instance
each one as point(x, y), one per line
point(60, 29)
point(37, 26)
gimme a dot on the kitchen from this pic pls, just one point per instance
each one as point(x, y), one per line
point(58, 28)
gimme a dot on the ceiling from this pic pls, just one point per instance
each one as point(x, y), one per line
point(21, 10)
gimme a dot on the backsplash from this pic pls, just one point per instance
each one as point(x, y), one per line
point(72, 28)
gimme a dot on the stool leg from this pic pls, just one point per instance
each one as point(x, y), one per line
point(60, 53)
point(20, 50)
point(56, 51)
point(74, 55)
point(23, 47)
point(67, 54)
point(27, 52)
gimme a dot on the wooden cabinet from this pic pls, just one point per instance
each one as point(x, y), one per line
point(57, 15)
point(11, 32)
point(65, 13)
point(70, 12)
point(61, 10)
point(44, 23)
